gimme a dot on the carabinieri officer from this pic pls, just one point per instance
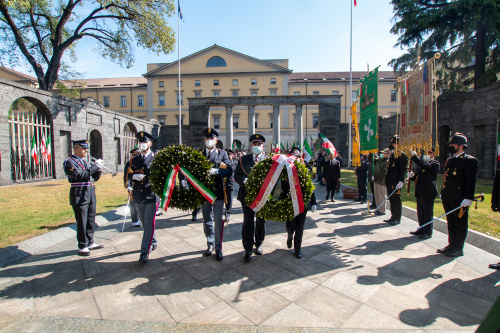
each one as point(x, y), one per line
point(394, 178)
point(82, 197)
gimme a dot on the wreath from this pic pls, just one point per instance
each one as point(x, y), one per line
point(190, 159)
point(279, 206)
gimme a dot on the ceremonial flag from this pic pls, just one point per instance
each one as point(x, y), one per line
point(355, 3)
point(308, 154)
point(43, 147)
point(328, 145)
point(34, 152)
point(405, 87)
point(356, 156)
point(49, 147)
point(368, 113)
point(179, 10)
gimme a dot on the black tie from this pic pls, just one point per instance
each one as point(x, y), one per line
point(208, 154)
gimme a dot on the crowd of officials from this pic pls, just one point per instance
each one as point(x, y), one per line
point(386, 171)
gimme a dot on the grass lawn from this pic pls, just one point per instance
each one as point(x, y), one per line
point(482, 219)
point(32, 209)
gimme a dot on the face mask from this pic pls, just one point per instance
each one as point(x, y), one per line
point(391, 147)
point(426, 158)
point(210, 143)
point(257, 150)
point(452, 149)
point(381, 155)
point(143, 146)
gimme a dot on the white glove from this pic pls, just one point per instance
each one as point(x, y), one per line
point(129, 189)
point(466, 203)
point(245, 181)
point(138, 177)
point(184, 183)
point(411, 174)
point(313, 208)
point(400, 185)
point(213, 171)
point(413, 153)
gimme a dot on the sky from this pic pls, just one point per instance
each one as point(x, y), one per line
point(312, 34)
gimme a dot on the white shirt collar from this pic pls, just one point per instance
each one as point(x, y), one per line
point(462, 153)
point(211, 150)
point(144, 156)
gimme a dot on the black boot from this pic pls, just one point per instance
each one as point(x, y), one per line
point(290, 237)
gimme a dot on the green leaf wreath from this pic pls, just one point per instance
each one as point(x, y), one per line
point(277, 208)
point(190, 159)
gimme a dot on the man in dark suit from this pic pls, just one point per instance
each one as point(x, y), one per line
point(459, 183)
point(425, 190)
point(230, 182)
point(145, 200)
point(127, 173)
point(213, 212)
point(362, 177)
point(394, 179)
point(82, 196)
point(243, 169)
point(331, 175)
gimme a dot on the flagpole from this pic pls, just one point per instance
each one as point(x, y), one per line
point(350, 94)
point(179, 78)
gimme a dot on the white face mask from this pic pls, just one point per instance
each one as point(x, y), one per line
point(257, 150)
point(143, 146)
point(210, 143)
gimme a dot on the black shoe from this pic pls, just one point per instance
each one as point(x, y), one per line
point(248, 256)
point(389, 220)
point(218, 255)
point(258, 250)
point(194, 218)
point(379, 213)
point(358, 199)
point(209, 251)
point(494, 266)
point(327, 197)
point(444, 249)
point(424, 236)
point(298, 254)
point(332, 199)
point(394, 222)
point(363, 202)
point(416, 233)
point(454, 254)
point(290, 238)
point(143, 258)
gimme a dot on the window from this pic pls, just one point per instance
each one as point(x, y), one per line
point(197, 93)
point(161, 99)
point(316, 92)
point(216, 82)
point(197, 83)
point(256, 121)
point(273, 80)
point(106, 101)
point(235, 92)
point(253, 82)
point(177, 119)
point(393, 96)
point(235, 82)
point(273, 92)
point(216, 62)
point(161, 120)
point(315, 121)
point(178, 84)
point(140, 100)
point(236, 120)
point(335, 92)
point(296, 93)
point(161, 84)
point(271, 120)
point(216, 93)
point(182, 97)
point(123, 101)
point(253, 92)
point(217, 122)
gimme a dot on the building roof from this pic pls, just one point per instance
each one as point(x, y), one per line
point(336, 76)
point(19, 74)
point(119, 82)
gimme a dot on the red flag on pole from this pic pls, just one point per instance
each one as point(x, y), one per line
point(355, 3)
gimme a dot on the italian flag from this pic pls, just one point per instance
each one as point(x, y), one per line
point(405, 87)
point(49, 148)
point(308, 154)
point(43, 147)
point(34, 152)
point(328, 145)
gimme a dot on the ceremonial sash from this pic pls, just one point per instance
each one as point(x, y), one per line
point(170, 183)
point(295, 189)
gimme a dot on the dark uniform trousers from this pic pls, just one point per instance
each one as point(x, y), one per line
point(331, 173)
point(297, 225)
point(362, 176)
point(248, 230)
point(425, 213)
point(82, 197)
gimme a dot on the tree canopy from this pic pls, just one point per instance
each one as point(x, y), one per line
point(465, 32)
point(40, 32)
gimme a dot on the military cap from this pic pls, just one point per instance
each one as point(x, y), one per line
point(432, 150)
point(143, 136)
point(257, 137)
point(459, 139)
point(229, 151)
point(81, 143)
point(210, 133)
point(395, 139)
point(295, 151)
point(133, 150)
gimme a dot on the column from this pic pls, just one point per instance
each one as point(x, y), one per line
point(276, 124)
point(229, 127)
point(299, 131)
point(251, 120)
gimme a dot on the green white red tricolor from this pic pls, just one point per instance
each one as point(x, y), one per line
point(34, 152)
point(308, 154)
point(328, 145)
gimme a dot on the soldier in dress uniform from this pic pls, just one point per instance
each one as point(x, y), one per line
point(212, 213)
point(230, 182)
point(394, 179)
point(243, 169)
point(145, 200)
point(425, 190)
point(82, 197)
point(127, 173)
point(459, 183)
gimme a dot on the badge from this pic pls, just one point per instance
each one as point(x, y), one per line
point(423, 170)
point(209, 130)
point(454, 173)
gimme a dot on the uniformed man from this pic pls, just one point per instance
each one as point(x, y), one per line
point(331, 175)
point(230, 182)
point(243, 169)
point(82, 196)
point(127, 173)
point(362, 178)
point(394, 179)
point(459, 183)
point(145, 200)
point(212, 213)
point(425, 190)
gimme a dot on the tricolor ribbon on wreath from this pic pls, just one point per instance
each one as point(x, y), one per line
point(170, 183)
point(279, 162)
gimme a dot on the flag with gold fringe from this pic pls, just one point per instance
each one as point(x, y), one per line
point(368, 113)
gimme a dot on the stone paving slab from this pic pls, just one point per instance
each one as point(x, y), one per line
point(357, 274)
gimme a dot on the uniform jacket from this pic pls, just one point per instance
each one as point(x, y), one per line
point(216, 157)
point(425, 177)
point(142, 191)
point(362, 170)
point(396, 169)
point(243, 169)
point(232, 183)
point(459, 179)
point(79, 171)
point(331, 170)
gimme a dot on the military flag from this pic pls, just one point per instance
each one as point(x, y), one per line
point(34, 149)
point(328, 145)
point(368, 113)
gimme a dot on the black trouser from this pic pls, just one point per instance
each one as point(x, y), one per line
point(229, 204)
point(331, 185)
point(457, 226)
point(133, 212)
point(195, 212)
point(373, 192)
point(85, 219)
point(425, 213)
point(362, 188)
point(396, 205)
point(248, 229)
point(297, 226)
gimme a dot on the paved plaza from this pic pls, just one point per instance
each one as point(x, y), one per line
point(357, 274)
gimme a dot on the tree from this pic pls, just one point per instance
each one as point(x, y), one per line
point(42, 31)
point(465, 32)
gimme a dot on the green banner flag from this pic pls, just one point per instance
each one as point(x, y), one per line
point(368, 112)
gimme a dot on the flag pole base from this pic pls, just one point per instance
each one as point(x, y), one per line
point(367, 211)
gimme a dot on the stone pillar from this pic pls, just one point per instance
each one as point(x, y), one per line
point(276, 124)
point(198, 121)
point(251, 120)
point(299, 131)
point(229, 127)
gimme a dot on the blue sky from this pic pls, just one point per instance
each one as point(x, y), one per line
point(312, 34)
